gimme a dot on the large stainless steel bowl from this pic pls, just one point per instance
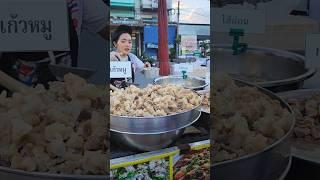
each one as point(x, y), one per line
point(267, 164)
point(153, 125)
point(191, 82)
point(276, 70)
point(151, 133)
point(150, 141)
point(302, 149)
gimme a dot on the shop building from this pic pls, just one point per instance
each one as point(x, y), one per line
point(141, 15)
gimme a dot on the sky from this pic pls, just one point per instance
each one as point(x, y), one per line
point(193, 11)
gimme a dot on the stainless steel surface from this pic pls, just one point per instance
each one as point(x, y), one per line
point(276, 70)
point(59, 71)
point(145, 141)
point(267, 164)
point(152, 125)
point(299, 94)
point(191, 82)
point(13, 174)
point(286, 171)
point(203, 91)
point(301, 149)
point(202, 108)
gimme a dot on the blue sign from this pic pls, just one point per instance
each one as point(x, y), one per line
point(151, 34)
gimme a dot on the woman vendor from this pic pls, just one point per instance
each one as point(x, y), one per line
point(122, 43)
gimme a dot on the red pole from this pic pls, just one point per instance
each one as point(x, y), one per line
point(163, 50)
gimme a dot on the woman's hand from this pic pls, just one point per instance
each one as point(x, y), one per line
point(147, 65)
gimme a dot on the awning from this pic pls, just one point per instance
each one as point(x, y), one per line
point(122, 3)
point(122, 13)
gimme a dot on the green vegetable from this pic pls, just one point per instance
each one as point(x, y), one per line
point(159, 178)
point(193, 161)
point(121, 170)
point(131, 174)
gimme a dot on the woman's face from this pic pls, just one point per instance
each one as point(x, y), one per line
point(124, 44)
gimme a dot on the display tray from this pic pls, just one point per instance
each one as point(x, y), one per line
point(161, 164)
point(126, 163)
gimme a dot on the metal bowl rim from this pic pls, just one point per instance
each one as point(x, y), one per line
point(310, 72)
point(202, 107)
point(288, 94)
point(161, 132)
point(277, 52)
point(179, 77)
point(297, 57)
point(274, 144)
point(50, 175)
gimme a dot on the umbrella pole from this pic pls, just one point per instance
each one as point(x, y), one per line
point(163, 50)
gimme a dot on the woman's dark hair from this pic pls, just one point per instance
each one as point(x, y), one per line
point(119, 31)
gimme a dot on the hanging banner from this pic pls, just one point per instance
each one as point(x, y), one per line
point(188, 44)
point(251, 21)
point(34, 25)
point(120, 69)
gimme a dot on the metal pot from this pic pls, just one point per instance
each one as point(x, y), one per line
point(152, 133)
point(204, 120)
point(276, 70)
point(268, 164)
point(302, 94)
point(191, 82)
point(302, 149)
